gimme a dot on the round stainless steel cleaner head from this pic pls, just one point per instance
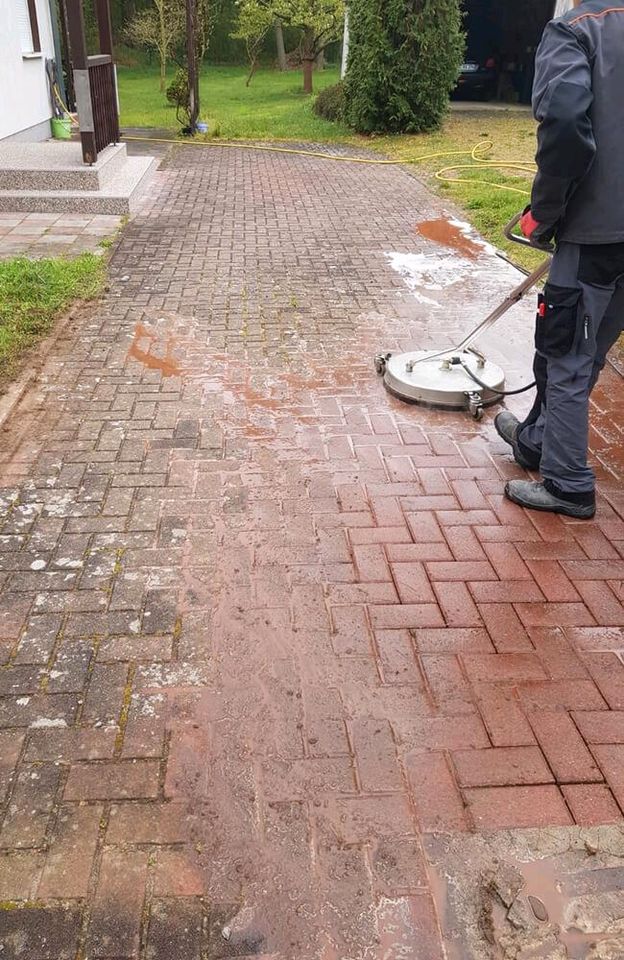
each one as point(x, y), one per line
point(439, 379)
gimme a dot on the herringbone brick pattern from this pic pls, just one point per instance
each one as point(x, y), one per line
point(261, 626)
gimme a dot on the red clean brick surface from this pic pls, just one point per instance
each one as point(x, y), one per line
point(501, 808)
point(263, 627)
point(438, 801)
point(591, 804)
point(501, 766)
point(601, 727)
point(564, 748)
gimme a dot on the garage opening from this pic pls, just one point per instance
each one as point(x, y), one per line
point(502, 37)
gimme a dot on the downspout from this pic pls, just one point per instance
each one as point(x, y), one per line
point(345, 46)
point(58, 53)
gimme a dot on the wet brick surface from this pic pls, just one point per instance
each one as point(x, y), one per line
point(262, 627)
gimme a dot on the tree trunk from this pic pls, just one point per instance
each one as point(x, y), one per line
point(308, 75)
point(254, 66)
point(320, 61)
point(308, 55)
point(191, 62)
point(163, 71)
point(281, 49)
point(162, 50)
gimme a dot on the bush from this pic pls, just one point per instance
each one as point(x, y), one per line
point(404, 60)
point(330, 103)
point(177, 92)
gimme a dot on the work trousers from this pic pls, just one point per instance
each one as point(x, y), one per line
point(580, 317)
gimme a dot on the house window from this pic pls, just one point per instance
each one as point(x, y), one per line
point(28, 26)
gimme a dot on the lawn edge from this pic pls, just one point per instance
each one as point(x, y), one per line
point(16, 386)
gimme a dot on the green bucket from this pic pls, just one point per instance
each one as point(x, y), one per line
point(61, 128)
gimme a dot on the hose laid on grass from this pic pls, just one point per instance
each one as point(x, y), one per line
point(477, 155)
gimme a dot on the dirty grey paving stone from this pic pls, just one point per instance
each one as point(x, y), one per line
point(33, 933)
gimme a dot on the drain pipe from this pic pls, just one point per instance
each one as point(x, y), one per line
point(58, 55)
point(345, 46)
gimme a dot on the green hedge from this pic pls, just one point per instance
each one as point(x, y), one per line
point(330, 103)
point(404, 60)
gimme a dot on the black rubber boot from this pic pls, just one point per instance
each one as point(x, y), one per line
point(549, 499)
point(507, 428)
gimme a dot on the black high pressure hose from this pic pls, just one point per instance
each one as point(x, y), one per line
point(498, 393)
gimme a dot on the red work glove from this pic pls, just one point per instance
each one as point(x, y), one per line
point(528, 223)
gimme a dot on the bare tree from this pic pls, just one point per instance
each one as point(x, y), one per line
point(208, 12)
point(254, 22)
point(159, 27)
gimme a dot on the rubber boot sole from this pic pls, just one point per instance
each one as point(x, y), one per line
point(559, 506)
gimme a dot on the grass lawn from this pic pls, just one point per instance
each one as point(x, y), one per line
point(512, 133)
point(33, 293)
point(274, 107)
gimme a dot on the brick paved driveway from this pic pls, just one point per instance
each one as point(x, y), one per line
point(263, 628)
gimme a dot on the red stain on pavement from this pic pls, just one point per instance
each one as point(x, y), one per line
point(449, 235)
point(167, 365)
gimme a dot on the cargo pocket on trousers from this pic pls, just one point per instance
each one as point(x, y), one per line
point(557, 320)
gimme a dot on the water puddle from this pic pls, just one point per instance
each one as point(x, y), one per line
point(461, 257)
point(545, 896)
point(530, 895)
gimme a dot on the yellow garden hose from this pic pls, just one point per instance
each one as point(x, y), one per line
point(477, 155)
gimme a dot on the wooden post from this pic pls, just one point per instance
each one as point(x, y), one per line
point(191, 58)
point(105, 29)
point(82, 87)
point(105, 33)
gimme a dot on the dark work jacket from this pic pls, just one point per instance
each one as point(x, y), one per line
point(578, 99)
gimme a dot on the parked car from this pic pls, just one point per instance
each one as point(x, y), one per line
point(478, 81)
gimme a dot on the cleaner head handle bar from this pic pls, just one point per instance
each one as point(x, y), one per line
point(509, 231)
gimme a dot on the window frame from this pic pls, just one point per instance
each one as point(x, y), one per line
point(35, 37)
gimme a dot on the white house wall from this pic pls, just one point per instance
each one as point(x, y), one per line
point(24, 100)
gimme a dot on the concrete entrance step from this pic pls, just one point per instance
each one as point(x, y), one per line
point(118, 196)
point(57, 165)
